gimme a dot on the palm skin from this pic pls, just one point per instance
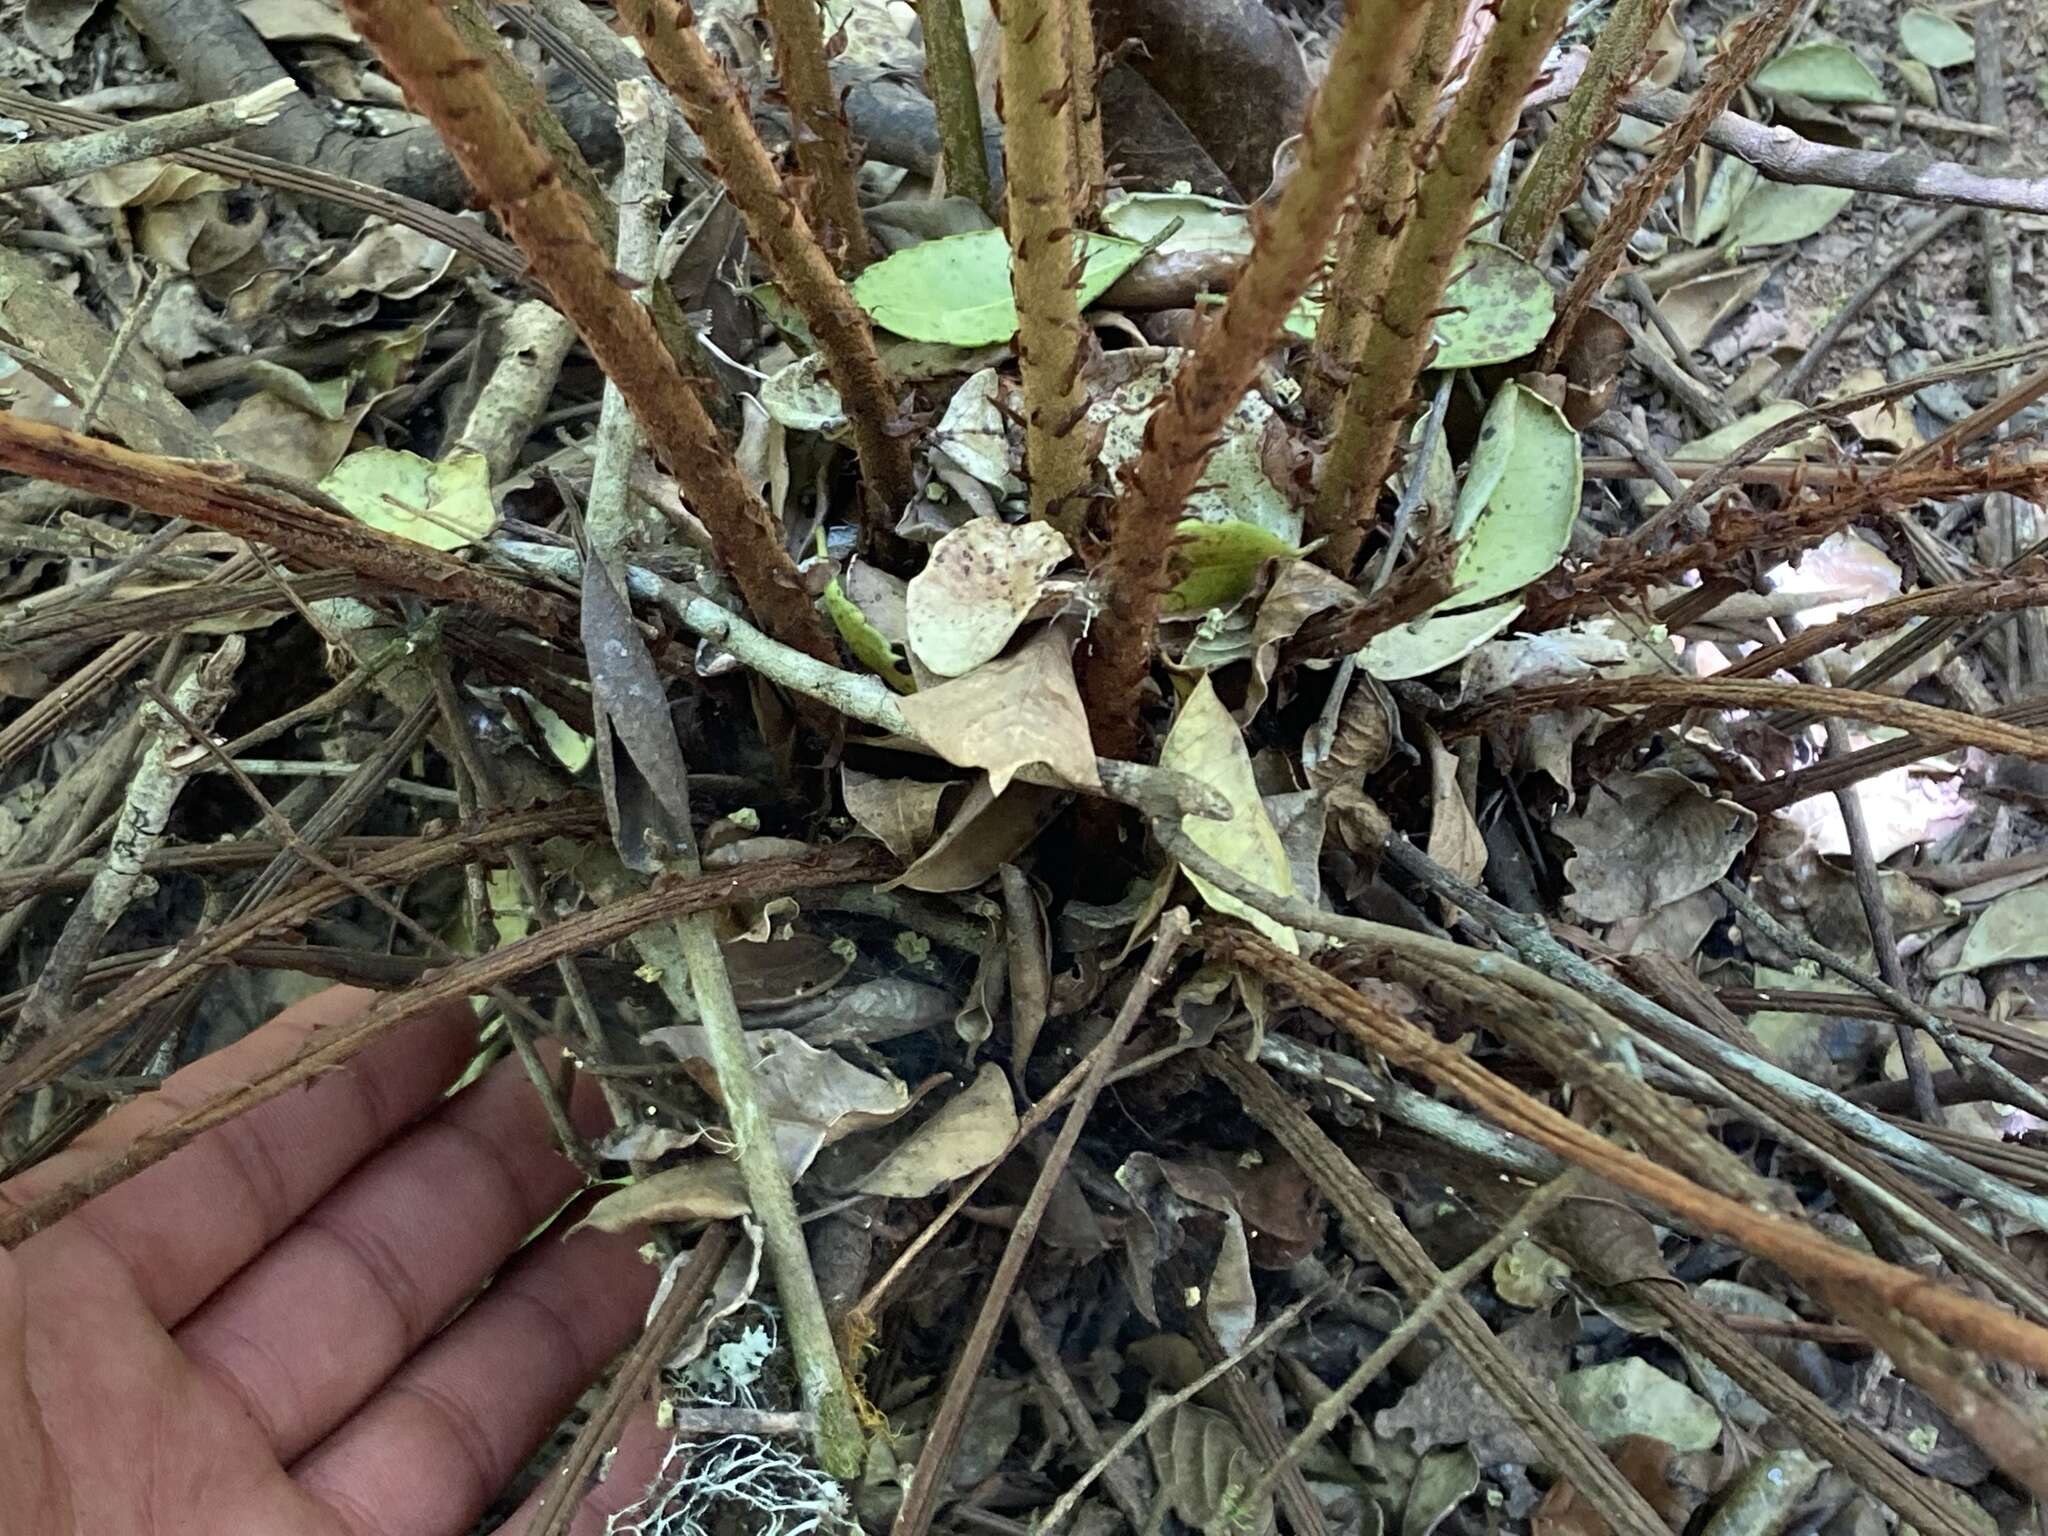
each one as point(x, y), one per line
point(255, 1335)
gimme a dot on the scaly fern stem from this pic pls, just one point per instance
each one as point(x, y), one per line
point(472, 23)
point(1620, 56)
point(444, 79)
point(1091, 175)
point(1038, 157)
point(1399, 339)
point(1371, 57)
point(1378, 215)
point(712, 103)
point(824, 146)
point(1744, 54)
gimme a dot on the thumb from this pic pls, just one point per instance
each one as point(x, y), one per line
point(32, 1495)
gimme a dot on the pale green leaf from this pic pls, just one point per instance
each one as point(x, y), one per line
point(1234, 484)
point(1205, 745)
point(571, 748)
point(1935, 40)
point(1430, 643)
point(1727, 441)
point(1521, 497)
point(1214, 564)
point(1443, 1481)
point(1633, 1397)
point(957, 290)
point(1733, 180)
point(445, 504)
point(1777, 213)
point(1207, 224)
point(1502, 307)
point(2014, 927)
point(1824, 72)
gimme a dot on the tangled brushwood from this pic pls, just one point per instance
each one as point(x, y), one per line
point(949, 595)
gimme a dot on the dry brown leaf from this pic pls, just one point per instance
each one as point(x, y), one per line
point(970, 1131)
point(701, 1189)
point(1009, 713)
point(900, 812)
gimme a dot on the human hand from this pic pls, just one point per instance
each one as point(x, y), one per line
point(249, 1336)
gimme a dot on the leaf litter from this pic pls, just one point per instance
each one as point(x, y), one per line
point(916, 1029)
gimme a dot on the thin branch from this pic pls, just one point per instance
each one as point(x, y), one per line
point(1802, 1253)
point(637, 1376)
point(2009, 1085)
point(1369, 59)
point(692, 970)
point(1326, 1414)
point(1782, 155)
point(1371, 1219)
point(442, 78)
point(861, 695)
point(1070, 1498)
point(608, 924)
point(168, 762)
point(949, 80)
point(1936, 727)
point(1620, 55)
point(43, 161)
point(776, 225)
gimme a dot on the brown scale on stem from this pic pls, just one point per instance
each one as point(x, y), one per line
point(444, 79)
point(1385, 190)
point(1745, 52)
point(713, 104)
point(1399, 339)
point(1371, 56)
point(1045, 258)
point(824, 146)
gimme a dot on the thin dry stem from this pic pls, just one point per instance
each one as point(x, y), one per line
point(1399, 341)
point(1045, 257)
point(712, 103)
point(1370, 58)
point(1379, 215)
point(1802, 1253)
point(824, 147)
point(444, 78)
point(1934, 726)
point(529, 101)
point(1621, 53)
point(1745, 51)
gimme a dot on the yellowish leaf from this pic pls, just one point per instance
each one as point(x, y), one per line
point(1205, 744)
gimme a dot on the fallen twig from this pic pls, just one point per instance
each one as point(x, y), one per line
point(1782, 155)
point(442, 78)
point(43, 161)
point(167, 763)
